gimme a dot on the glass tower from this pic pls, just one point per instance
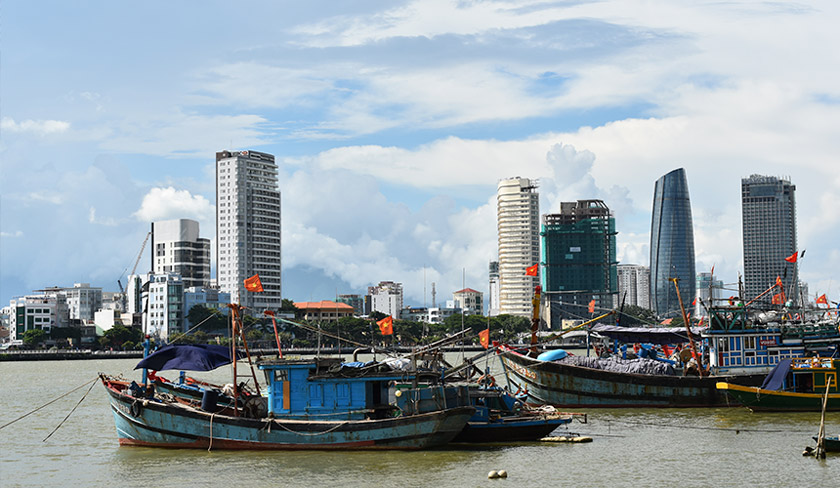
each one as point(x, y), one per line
point(671, 245)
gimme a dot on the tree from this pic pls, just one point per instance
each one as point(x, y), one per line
point(119, 334)
point(211, 320)
point(34, 337)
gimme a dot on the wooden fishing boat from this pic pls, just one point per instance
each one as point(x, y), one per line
point(311, 404)
point(500, 417)
point(794, 385)
point(831, 443)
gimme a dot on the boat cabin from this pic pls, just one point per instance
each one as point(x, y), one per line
point(811, 375)
point(328, 389)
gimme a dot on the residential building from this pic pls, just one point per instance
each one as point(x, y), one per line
point(163, 315)
point(177, 248)
point(325, 310)
point(768, 218)
point(248, 227)
point(671, 245)
point(494, 289)
point(206, 297)
point(633, 285)
point(387, 298)
point(82, 300)
point(518, 221)
point(579, 259)
point(31, 312)
point(470, 301)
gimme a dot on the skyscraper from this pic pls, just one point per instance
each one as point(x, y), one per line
point(248, 227)
point(634, 285)
point(177, 248)
point(768, 218)
point(518, 210)
point(671, 245)
point(579, 258)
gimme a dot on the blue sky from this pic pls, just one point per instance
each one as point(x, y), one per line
point(393, 121)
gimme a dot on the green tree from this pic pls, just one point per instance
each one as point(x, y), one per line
point(118, 334)
point(34, 337)
point(211, 320)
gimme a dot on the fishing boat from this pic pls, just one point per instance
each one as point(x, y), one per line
point(500, 417)
point(831, 443)
point(311, 404)
point(794, 385)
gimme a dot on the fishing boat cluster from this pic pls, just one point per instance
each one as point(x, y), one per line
point(418, 400)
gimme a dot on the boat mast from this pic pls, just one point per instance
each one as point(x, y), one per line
point(694, 354)
point(535, 318)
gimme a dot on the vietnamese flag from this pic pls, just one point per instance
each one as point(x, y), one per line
point(792, 257)
point(779, 282)
point(592, 306)
point(822, 299)
point(532, 270)
point(253, 284)
point(777, 299)
point(484, 338)
point(386, 325)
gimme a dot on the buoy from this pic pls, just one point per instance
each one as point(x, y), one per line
point(492, 475)
point(502, 473)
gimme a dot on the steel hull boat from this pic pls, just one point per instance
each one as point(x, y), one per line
point(756, 398)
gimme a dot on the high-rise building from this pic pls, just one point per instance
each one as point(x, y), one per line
point(579, 259)
point(493, 309)
point(177, 248)
point(163, 315)
point(671, 245)
point(518, 213)
point(633, 285)
point(768, 219)
point(709, 292)
point(355, 301)
point(248, 227)
point(387, 298)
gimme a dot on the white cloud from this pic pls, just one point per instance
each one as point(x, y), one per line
point(16, 233)
point(169, 203)
point(37, 127)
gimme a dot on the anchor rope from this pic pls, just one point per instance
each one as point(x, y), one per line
point(71, 412)
point(48, 403)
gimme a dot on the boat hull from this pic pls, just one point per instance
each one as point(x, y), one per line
point(569, 386)
point(510, 430)
point(759, 399)
point(149, 423)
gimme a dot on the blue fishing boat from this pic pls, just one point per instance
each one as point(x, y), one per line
point(310, 404)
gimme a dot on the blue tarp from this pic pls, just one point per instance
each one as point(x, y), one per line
point(775, 379)
point(187, 357)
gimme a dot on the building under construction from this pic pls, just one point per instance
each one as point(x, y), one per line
point(579, 260)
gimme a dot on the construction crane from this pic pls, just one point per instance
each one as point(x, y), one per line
point(133, 270)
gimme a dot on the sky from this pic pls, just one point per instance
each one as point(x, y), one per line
point(393, 121)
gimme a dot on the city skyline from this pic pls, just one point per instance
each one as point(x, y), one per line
point(391, 130)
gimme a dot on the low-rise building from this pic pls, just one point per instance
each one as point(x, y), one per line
point(325, 310)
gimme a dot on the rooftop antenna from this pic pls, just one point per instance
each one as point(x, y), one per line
point(433, 295)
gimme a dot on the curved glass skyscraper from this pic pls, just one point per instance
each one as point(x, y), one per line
point(671, 245)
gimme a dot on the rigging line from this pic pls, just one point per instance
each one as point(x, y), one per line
point(183, 334)
point(725, 429)
point(71, 412)
point(48, 403)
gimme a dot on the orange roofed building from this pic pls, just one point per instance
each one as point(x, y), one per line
point(324, 310)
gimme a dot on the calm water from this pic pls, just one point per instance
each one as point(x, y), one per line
point(641, 447)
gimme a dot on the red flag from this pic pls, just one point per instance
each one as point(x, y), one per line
point(822, 299)
point(532, 270)
point(792, 257)
point(701, 322)
point(713, 271)
point(666, 349)
point(694, 302)
point(592, 306)
point(484, 338)
point(777, 299)
point(253, 284)
point(386, 325)
point(779, 282)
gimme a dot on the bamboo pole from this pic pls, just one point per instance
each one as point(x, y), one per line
point(821, 436)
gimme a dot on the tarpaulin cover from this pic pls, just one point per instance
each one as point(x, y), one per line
point(775, 379)
point(187, 357)
point(653, 335)
point(617, 365)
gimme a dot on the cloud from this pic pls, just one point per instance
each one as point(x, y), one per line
point(17, 233)
point(38, 127)
point(169, 203)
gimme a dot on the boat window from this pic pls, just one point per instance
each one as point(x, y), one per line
point(749, 342)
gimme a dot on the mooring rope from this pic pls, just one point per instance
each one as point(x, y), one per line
point(314, 433)
point(211, 431)
point(49, 403)
point(71, 412)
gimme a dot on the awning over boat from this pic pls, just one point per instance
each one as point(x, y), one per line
point(187, 357)
point(775, 379)
point(653, 335)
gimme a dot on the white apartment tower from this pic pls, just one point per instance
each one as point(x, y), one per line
point(518, 215)
point(248, 227)
point(633, 285)
point(176, 248)
point(386, 297)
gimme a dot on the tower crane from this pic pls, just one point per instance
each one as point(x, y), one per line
point(133, 270)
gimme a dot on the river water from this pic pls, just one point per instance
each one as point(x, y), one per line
point(631, 447)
